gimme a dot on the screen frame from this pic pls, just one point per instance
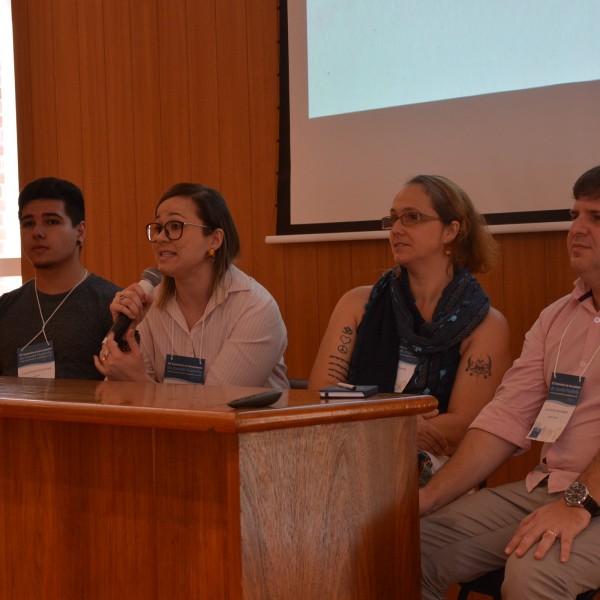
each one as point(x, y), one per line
point(286, 231)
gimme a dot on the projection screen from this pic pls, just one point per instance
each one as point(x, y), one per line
point(503, 97)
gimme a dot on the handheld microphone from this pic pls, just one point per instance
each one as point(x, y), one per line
point(151, 277)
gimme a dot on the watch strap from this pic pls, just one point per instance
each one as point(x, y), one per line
point(578, 495)
point(591, 505)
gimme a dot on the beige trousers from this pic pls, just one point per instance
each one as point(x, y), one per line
point(467, 539)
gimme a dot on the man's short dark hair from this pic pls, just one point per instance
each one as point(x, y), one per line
point(588, 184)
point(55, 189)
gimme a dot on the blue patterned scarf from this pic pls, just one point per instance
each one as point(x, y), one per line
point(392, 320)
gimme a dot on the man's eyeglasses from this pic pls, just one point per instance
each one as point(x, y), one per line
point(409, 218)
point(173, 229)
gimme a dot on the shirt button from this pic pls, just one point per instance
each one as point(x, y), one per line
point(596, 319)
point(582, 363)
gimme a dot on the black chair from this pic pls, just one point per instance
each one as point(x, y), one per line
point(491, 583)
point(488, 584)
point(298, 384)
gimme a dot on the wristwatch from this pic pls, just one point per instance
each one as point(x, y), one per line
point(577, 494)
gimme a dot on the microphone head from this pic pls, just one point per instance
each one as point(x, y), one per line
point(152, 275)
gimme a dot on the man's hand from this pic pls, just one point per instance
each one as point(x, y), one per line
point(549, 523)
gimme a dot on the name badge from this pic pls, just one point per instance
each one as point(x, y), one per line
point(183, 369)
point(407, 364)
point(36, 361)
point(562, 399)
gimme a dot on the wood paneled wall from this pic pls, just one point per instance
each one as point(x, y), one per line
point(126, 97)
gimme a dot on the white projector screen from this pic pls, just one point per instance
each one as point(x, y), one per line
point(503, 97)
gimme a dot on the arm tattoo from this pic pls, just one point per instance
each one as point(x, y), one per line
point(339, 367)
point(480, 366)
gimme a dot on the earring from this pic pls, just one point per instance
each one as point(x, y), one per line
point(210, 255)
point(78, 243)
point(447, 252)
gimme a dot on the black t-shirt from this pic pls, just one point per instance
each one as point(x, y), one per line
point(76, 330)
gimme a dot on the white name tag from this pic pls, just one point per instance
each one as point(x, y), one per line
point(407, 364)
point(557, 409)
point(36, 361)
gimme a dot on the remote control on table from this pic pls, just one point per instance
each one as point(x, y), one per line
point(256, 400)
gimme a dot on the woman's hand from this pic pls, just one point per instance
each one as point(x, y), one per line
point(429, 438)
point(485, 357)
point(117, 365)
point(132, 302)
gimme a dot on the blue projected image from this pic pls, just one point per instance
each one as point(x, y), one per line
point(381, 53)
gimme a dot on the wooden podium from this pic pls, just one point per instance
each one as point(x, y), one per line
point(126, 491)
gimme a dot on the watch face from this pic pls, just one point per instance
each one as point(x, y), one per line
point(576, 493)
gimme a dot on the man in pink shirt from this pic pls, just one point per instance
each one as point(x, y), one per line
point(544, 530)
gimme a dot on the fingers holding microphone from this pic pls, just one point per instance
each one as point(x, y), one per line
point(133, 303)
point(120, 356)
point(130, 305)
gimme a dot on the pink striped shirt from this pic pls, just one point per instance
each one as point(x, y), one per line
point(241, 336)
point(518, 400)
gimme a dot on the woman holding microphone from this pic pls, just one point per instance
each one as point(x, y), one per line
point(210, 322)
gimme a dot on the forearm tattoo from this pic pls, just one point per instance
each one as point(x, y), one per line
point(480, 366)
point(338, 365)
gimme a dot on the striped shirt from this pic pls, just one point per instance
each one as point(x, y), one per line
point(241, 336)
point(519, 399)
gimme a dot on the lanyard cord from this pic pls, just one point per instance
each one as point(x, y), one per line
point(586, 366)
point(46, 321)
point(201, 334)
point(560, 345)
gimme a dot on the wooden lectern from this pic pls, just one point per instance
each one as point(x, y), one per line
point(127, 491)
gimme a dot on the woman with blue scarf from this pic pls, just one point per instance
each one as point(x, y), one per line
point(426, 327)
